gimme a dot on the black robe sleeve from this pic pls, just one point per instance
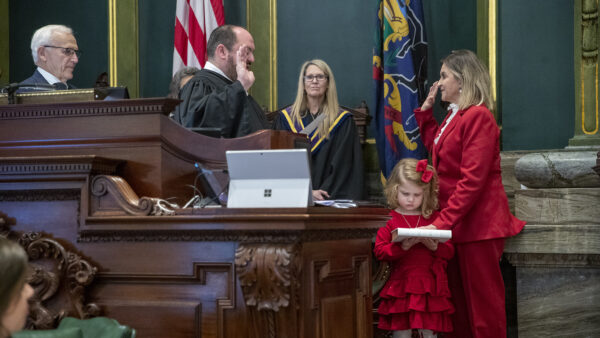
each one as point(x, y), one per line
point(338, 166)
point(211, 102)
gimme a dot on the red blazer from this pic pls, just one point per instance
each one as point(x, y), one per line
point(472, 199)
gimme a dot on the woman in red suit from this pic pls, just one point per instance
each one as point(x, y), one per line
point(465, 152)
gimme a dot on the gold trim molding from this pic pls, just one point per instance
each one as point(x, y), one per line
point(112, 42)
point(261, 21)
point(273, 53)
point(492, 19)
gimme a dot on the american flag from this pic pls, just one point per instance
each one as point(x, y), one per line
point(194, 21)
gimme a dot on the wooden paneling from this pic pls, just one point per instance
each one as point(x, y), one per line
point(66, 169)
point(334, 309)
point(158, 154)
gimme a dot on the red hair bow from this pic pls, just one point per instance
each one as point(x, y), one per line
point(427, 174)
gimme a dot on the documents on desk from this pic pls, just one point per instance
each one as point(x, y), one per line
point(337, 203)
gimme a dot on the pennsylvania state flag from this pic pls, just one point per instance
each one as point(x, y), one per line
point(399, 73)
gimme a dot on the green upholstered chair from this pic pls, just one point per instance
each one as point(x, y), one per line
point(99, 327)
point(71, 332)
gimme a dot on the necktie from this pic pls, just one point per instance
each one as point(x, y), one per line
point(60, 86)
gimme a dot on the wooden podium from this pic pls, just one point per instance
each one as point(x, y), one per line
point(89, 176)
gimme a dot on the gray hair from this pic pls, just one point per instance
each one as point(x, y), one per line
point(43, 36)
point(175, 84)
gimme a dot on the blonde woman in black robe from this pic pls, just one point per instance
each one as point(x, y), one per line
point(336, 154)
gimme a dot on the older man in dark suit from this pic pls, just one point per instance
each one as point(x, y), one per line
point(55, 52)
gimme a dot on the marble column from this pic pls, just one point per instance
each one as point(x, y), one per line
point(557, 256)
point(586, 32)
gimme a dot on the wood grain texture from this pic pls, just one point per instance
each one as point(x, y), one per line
point(89, 173)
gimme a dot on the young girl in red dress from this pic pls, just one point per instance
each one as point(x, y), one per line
point(416, 295)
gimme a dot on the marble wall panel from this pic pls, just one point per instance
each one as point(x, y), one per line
point(557, 239)
point(558, 302)
point(558, 205)
point(558, 169)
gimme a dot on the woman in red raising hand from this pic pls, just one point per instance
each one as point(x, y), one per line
point(465, 152)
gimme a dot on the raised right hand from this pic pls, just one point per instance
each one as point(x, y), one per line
point(242, 67)
point(430, 100)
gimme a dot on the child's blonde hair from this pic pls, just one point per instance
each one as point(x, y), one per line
point(406, 171)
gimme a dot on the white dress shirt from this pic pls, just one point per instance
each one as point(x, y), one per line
point(48, 76)
point(454, 108)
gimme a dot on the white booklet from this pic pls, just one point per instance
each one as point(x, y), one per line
point(337, 203)
point(400, 234)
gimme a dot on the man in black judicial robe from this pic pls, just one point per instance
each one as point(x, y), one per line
point(217, 96)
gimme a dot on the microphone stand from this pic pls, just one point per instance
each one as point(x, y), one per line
point(12, 88)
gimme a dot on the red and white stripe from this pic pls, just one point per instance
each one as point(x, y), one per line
point(194, 21)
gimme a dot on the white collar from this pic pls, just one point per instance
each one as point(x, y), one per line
point(51, 79)
point(210, 66)
point(454, 107)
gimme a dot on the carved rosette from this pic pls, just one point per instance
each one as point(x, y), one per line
point(67, 272)
point(268, 274)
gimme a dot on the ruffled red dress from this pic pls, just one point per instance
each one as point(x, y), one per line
point(416, 295)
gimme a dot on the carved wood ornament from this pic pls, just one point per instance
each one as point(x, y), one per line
point(120, 195)
point(269, 277)
point(59, 278)
point(267, 274)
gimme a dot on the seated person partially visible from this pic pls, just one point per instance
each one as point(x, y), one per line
point(14, 290)
point(15, 293)
point(180, 79)
point(336, 154)
point(69, 327)
point(55, 52)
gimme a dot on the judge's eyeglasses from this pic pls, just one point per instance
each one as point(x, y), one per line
point(67, 51)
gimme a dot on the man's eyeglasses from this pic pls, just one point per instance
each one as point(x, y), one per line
point(318, 77)
point(67, 51)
